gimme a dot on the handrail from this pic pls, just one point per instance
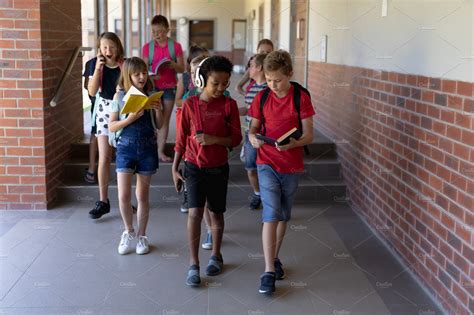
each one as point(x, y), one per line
point(77, 51)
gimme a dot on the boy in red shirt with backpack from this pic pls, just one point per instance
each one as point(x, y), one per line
point(274, 111)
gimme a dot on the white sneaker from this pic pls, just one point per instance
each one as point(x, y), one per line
point(142, 245)
point(124, 246)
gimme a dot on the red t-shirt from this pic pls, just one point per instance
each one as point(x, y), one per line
point(213, 119)
point(280, 116)
point(167, 75)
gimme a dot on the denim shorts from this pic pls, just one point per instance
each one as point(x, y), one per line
point(277, 191)
point(250, 155)
point(137, 155)
point(168, 94)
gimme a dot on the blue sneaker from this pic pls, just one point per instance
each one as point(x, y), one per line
point(207, 244)
point(193, 279)
point(279, 272)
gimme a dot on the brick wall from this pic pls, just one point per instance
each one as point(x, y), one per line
point(36, 41)
point(406, 146)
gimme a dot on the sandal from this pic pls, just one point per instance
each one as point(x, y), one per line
point(214, 267)
point(89, 177)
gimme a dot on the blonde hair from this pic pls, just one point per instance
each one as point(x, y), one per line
point(130, 66)
point(278, 60)
point(259, 59)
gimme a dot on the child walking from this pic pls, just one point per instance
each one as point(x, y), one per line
point(264, 46)
point(153, 53)
point(105, 72)
point(136, 153)
point(90, 174)
point(274, 111)
point(209, 126)
point(250, 153)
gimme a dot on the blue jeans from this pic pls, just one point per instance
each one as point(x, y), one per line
point(137, 155)
point(277, 191)
point(250, 154)
point(168, 94)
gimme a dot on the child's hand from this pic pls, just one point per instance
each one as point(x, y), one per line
point(204, 139)
point(134, 116)
point(178, 180)
point(157, 105)
point(293, 144)
point(100, 61)
point(255, 142)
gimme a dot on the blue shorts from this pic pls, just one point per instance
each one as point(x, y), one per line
point(137, 155)
point(250, 155)
point(168, 94)
point(277, 191)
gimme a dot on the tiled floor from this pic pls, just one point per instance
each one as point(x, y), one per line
point(62, 262)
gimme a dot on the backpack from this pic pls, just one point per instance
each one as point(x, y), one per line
point(151, 51)
point(296, 100)
point(114, 136)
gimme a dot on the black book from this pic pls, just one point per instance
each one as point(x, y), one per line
point(284, 139)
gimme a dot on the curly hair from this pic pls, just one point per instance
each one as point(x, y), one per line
point(215, 64)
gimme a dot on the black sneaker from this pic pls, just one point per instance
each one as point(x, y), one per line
point(184, 205)
point(279, 272)
point(100, 209)
point(267, 283)
point(255, 202)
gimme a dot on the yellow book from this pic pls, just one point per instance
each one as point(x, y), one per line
point(136, 100)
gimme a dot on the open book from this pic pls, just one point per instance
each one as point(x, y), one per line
point(284, 139)
point(136, 100)
point(163, 62)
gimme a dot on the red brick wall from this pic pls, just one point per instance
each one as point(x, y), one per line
point(406, 147)
point(36, 40)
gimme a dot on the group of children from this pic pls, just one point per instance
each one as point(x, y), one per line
point(207, 127)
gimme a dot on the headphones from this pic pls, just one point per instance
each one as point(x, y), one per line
point(199, 80)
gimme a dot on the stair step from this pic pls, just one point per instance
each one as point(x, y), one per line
point(316, 169)
point(238, 191)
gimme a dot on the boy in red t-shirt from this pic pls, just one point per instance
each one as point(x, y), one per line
point(209, 125)
point(278, 167)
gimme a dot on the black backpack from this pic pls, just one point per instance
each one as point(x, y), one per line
point(298, 88)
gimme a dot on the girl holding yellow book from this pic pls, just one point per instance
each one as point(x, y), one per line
point(137, 152)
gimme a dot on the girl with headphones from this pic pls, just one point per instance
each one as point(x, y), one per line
point(209, 126)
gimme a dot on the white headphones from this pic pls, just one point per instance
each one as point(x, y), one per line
point(199, 80)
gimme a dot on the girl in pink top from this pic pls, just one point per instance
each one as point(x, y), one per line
point(162, 48)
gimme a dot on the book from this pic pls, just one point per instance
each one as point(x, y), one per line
point(165, 61)
point(136, 100)
point(284, 139)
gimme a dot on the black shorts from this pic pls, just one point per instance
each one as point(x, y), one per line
point(207, 184)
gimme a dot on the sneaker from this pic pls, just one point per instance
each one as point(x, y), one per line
point(125, 242)
point(279, 272)
point(142, 245)
point(207, 244)
point(267, 283)
point(255, 202)
point(100, 209)
point(184, 205)
point(193, 279)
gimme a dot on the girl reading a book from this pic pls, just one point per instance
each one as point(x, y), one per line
point(103, 76)
point(136, 152)
point(160, 48)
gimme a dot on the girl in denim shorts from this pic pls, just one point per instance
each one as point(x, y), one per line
point(137, 152)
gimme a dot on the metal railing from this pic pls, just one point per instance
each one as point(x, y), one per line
point(77, 51)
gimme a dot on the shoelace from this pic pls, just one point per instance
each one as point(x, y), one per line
point(142, 241)
point(125, 238)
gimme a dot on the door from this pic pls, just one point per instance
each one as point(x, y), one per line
point(239, 40)
point(299, 39)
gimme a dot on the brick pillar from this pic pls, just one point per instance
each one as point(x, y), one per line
point(36, 41)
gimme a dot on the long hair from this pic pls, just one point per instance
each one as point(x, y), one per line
point(113, 37)
point(130, 66)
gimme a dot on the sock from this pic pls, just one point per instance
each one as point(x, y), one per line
point(256, 193)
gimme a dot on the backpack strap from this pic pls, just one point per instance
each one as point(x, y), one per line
point(171, 49)
point(298, 88)
point(263, 99)
point(151, 53)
